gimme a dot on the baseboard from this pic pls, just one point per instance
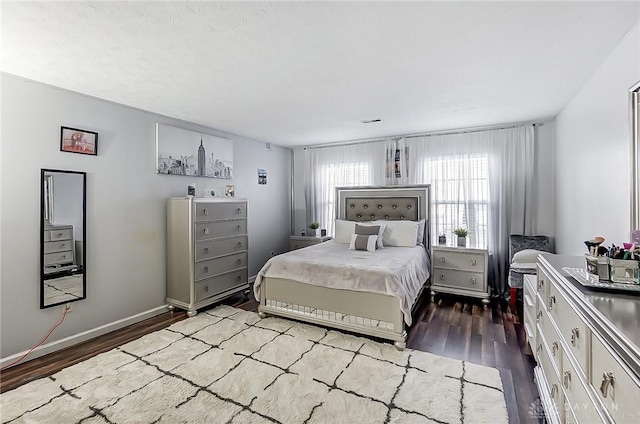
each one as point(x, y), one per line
point(84, 336)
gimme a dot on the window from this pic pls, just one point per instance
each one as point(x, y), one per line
point(339, 175)
point(460, 196)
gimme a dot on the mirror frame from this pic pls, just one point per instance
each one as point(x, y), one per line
point(634, 120)
point(43, 222)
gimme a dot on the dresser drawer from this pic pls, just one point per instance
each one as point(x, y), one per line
point(554, 388)
point(58, 258)
point(55, 235)
point(551, 338)
point(57, 246)
point(459, 260)
point(209, 230)
point(216, 285)
point(207, 211)
point(529, 299)
point(206, 269)
point(213, 248)
point(459, 279)
point(575, 393)
point(617, 389)
point(571, 328)
point(530, 330)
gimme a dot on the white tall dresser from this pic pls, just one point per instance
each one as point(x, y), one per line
point(207, 245)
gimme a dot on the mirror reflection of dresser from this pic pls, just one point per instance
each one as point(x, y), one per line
point(62, 237)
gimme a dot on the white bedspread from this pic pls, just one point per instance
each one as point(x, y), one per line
point(396, 271)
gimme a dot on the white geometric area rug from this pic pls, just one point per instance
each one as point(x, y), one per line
point(226, 365)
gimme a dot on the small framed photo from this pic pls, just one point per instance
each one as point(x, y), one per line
point(74, 140)
point(230, 190)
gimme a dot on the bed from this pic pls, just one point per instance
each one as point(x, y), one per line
point(308, 285)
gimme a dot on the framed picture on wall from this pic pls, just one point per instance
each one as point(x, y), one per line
point(74, 140)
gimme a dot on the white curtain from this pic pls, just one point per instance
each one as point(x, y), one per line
point(482, 181)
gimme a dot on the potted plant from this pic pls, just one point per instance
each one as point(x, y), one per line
point(313, 227)
point(462, 234)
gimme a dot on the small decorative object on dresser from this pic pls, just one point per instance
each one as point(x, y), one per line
point(206, 251)
point(312, 228)
point(298, 242)
point(459, 271)
point(462, 234)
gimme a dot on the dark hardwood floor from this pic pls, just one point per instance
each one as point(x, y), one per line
point(454, 327)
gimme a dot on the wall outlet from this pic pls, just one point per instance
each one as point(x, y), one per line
point(67, 307)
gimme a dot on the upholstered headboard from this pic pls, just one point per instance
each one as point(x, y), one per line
point(385, 202)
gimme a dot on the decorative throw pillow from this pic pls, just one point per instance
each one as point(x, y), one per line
point(363, 242)
point(344, 230)
point(371, 229)
point(421, 225)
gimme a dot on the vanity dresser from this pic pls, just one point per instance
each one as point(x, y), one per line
point(206, 251)
point(586, 344)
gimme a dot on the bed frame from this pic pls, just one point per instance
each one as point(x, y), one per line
point(372, 314)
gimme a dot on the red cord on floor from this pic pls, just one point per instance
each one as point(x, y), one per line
point(64, 314)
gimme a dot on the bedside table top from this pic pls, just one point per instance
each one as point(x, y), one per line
point(310, 238)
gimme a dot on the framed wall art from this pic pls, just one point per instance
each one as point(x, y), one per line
point(185, 152)
point(74, 140)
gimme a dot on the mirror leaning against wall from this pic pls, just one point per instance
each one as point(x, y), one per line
point(62, 237)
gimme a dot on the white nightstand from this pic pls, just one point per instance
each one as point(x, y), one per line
point(298, 242)
point(459, 270)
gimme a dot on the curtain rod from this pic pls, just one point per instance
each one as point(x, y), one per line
point(537, 123)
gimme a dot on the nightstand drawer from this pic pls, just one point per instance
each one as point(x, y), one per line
point(57, 246)
point(299, 242)
point(207, 211)
point(459, 260)
point(55, 235)
point(460, 279)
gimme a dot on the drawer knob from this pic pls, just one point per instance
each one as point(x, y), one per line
point(239, 244)
point(442, 259)
point(64, 256)
point(566, 379)
point(607, 381)
point(554, 390)
point(540, 284)
point(239, 261)
point(554, 348)
point(59, 234)
point(206, 250)
point(575, 335)
point(206, 269)
point(539, 349)
point(473, 262)
point(442, 276)
point(538, 316)
point(552, 300)
point(206, 288)
point(206, 230)
point(239, 210)
point(239, 227)
point(205, 211)
point(473, 281)
point(239, 277)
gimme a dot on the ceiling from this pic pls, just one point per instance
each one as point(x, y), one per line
point(302, 73)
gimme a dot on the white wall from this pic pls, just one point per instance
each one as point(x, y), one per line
point(126, 215)
point(592, 154)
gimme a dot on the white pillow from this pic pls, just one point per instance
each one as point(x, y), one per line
point(361, 242)
point(344, 230)
point(421, 225)
point(382, 226)
point(400, 233)
point(527, 256)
